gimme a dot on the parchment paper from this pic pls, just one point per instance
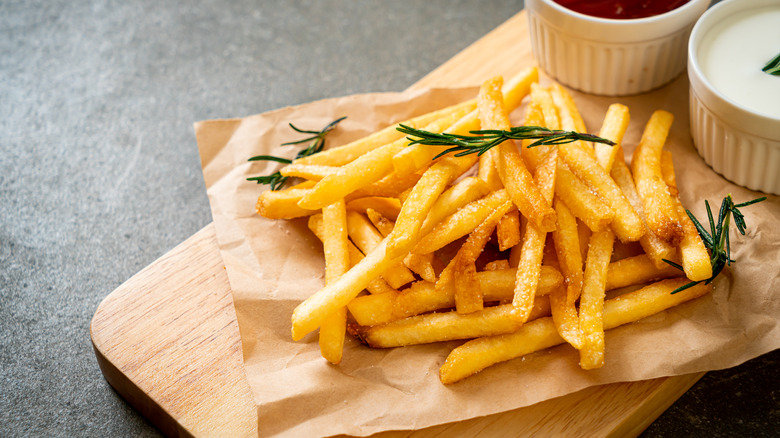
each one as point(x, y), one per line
point(273, 265)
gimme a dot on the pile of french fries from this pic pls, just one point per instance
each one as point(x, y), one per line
point(513, 250)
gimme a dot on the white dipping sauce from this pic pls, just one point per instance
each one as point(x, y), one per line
point(735, 50)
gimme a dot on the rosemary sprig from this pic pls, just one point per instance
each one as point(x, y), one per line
point(481, 141)
point(773, 66)
point(717, 239)
point(317, 139)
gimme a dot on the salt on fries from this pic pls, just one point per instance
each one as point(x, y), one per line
point(511, 249)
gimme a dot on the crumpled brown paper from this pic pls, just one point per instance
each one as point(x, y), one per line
point(273, 265)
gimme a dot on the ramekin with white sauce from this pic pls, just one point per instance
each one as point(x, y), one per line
point(734, 105)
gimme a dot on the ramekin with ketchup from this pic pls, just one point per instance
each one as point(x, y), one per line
point(612, 47)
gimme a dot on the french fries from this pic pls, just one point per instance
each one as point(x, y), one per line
point(659, 206)
point(512, 250)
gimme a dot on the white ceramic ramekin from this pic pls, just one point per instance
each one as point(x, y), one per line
point(611, 57)
point(737, 142)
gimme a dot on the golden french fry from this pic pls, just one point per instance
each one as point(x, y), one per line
point(514, 175)
point(565, 318)
point(460, 223)
point(313, 310)
point(468, 295)
point(584, 233)
point(390, 186)
point(438, 327)
point(421, 199)
point(375, 286)
point(381, 223)
point(614, 126)
point(659, 207)
point(387, 207)
point(626, 223)
point(418, 157)
point(637, 270)
point(695, 258)
point(569, 115)
point(344, 154)
point(422, 297)
point(508, 230)
point(283, 204)
point(532, 250)
point(582, 202)
point(656, 249)
point(567, 247)
point(469, 189)
point(367, 168)
point(422, 265)
point(542, 98)
point(495, 265)
point(335, 243)
point(367, 238)
point(478, 354)
point(311, 172)
point(592, 299)
point(499, 284)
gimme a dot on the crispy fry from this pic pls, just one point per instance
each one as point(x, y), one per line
point(539, 334)
point(417, 157)
point(508, 230)
point(438, 327)
point(421, 199)
point(387, 207)
point(344, 154)
point(614, 126)
point(422, 297)
point(637, 270)
point(367, 168)
point(466, 191)
point(530, 262)
point(335, 243)
point(375, 286)
point(626, 223)
point(390, 186)
point(366, 237)
point(422, 265)
point(311, 172)
point(583, 203)
point(499, 284)
point(382, 224)
point(567, 247)
point(495, 265)
point(656, 249)
point(283, 204)
point(460, 223)
point(313, 310)
point(660, 210)
point(460, 273)
point(592, 299)
point(695, 258)
point(514, 175)
point(565, 318)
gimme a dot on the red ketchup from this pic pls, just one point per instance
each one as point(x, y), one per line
point(621, 9)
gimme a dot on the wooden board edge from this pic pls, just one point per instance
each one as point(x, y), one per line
point(152, 411)
point(664, 396)
point(222, 374)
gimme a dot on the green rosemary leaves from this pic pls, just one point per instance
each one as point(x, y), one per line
point(773, 66)
point(484, 140)
point(717, 239)
point(317, 139)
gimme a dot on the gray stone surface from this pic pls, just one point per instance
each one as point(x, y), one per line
point(100, 176)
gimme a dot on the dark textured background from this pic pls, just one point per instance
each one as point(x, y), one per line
point(100, 175)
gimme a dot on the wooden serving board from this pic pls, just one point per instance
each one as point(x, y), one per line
point(167, 339)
